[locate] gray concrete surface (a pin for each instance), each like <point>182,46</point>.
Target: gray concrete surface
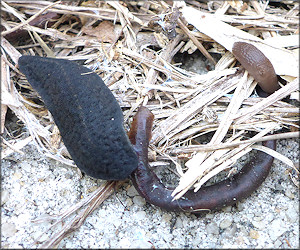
<point>33,186</point>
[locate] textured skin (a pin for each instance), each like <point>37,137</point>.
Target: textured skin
<point>213,197</point>
<point>257,64</point>
<point>87,114</point>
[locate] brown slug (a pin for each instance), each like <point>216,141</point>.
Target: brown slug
<point>257,64</point>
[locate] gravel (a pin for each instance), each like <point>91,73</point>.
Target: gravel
<point>34,186</point>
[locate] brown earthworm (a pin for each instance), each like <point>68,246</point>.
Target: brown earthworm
<point>213,197</point>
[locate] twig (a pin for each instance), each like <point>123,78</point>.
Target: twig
<point>196,42</point>
<point>28,20</point>
<point>78,220</point>
<point>195,148</point>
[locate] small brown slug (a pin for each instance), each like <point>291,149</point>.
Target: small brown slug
<point>257,64</point>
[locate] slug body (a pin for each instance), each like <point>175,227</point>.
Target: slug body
<point>257,64</point>
<point>212,197</point>
<point>87,114</point>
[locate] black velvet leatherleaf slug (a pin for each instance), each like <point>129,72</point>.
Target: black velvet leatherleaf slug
<point>213,197</point>
<point>87,114</point>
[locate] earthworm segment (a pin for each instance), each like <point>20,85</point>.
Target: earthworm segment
<point>213,197</point>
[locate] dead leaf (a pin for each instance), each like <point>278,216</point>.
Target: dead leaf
<point>105,31</point>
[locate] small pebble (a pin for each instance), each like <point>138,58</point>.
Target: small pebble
<point>26,166</point>
<point>140,215</point>
<point>227,209</point>
<point>92,189</point>
<point>277,228</point>
<point>225,223</point>
<point>4,197</point>
<point>132,191</point>
<point>178,223</point>
<point>230,231</point>
<point>254,234</point>
<point>292,214</point>
<point>139,201</point>
<point>209,216</point>
<point>258,218</point>
<point>239,240</point>
<point>128,202</point>
<point>17,175</point>
<point>259,224</point>
<point>8,229</point>
<point>212,228</point>
<point>167,218</point>
<point>240,206</point>
<point>289,194</point>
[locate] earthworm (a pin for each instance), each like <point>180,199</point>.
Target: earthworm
<point>257,64</point>
<point>214,197</point>
<point>87,114</point>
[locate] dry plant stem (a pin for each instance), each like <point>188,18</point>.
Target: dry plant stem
<point>191,108</point>
<point>196,171</point>
<point>91,12</point>
<point>14,148</point>
<point>165,55</point>
<point>245,115</point>
<point>28,20</point>
<point>196,42</point>
<point>195,148</point>
<point>277,155</point>
<point>76,222</point>
<point>10,50</point>
<point>236,101</point>
<point>141,59</point>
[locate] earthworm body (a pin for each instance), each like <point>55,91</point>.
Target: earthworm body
<point>91,125</point>
<point>213,197</point>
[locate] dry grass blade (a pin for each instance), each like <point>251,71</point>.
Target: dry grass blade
<point>195,148</point>
<point>93,202</point>
<point>276,96</point>
<point>23,21</point>
<point>276,155</point>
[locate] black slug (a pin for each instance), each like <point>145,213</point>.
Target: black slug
<point>87,114</point>
<point>212,197</point>
<point>257,64</point>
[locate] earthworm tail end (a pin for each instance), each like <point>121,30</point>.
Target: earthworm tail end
<point>213,197</point>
